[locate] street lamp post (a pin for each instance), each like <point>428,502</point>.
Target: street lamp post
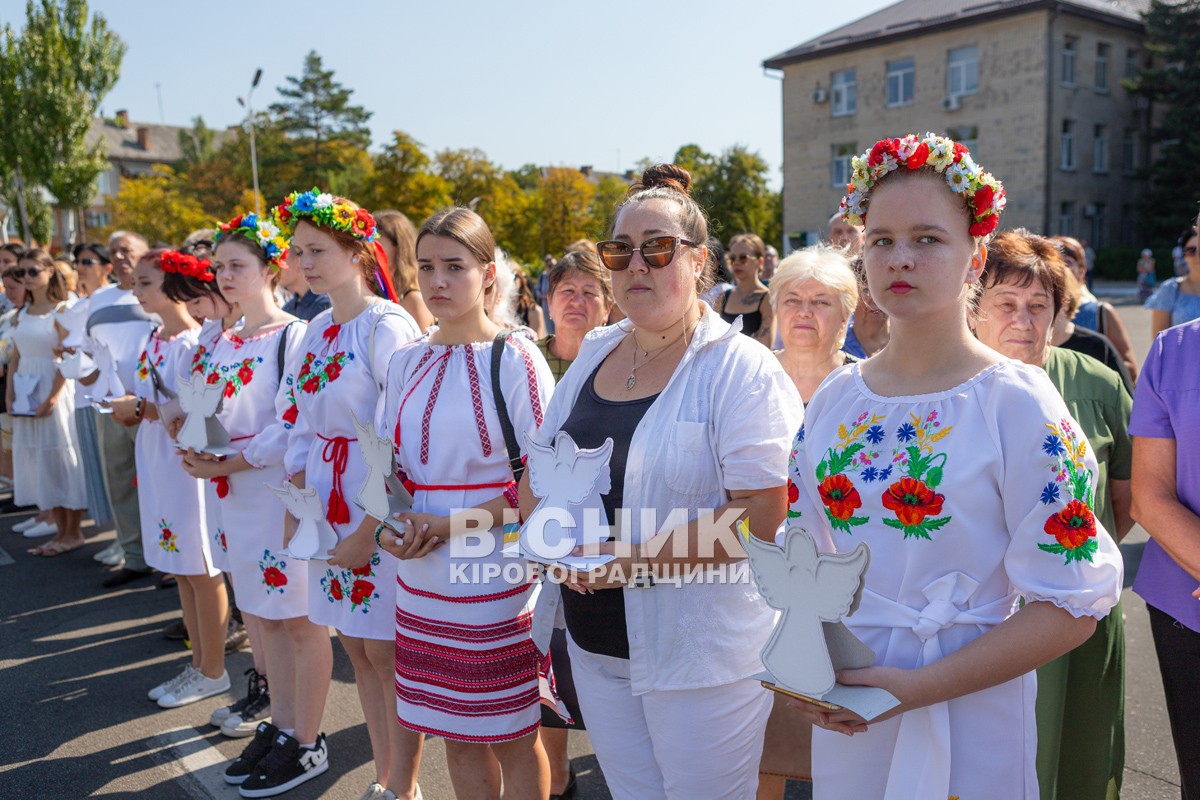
<point>253,152</point>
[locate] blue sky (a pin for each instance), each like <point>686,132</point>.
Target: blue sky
<point>549,83</point>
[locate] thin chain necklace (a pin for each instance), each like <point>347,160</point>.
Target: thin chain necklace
<point>631,381</point>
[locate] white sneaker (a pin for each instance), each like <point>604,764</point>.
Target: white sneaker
<point>41,529</point>
<point>111,551</point>
<point>21,527</point>
<point>166,686</point>
<point>114,559</point>
<point>374,792</point>
<point>196,687</point>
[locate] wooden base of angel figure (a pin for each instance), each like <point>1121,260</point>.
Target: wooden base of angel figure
<point>24,386</point>
<point>381,495</point>
<point>815,591</point>
<point>570,482</point>
<point>107,384</point>
<point>202,431</point>
<point>314,536</point>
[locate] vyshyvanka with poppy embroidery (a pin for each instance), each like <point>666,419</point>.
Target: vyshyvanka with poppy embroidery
<point>171,502</point>
<point>249,536</point>
<point>971,500</point>
<point>339,372</point>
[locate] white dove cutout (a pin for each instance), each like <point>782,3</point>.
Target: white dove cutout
<point>23,388</point>
<point>815,591</point>
<point>569,480</point>
<point>74,366</point>
<point>382,494</point>
<point>314,536</point>
<point>74,321</point>
<point>108,384</point>
<point>201,430</point>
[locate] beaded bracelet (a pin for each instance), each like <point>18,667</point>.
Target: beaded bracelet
<point>378,530</point>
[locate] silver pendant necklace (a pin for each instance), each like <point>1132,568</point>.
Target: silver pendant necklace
<point>631,381</point>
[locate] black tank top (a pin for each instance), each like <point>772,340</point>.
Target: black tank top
<point>751,320</point>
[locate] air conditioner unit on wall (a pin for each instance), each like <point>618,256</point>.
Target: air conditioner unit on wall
<point>952,103</point>
<point>820,95</point>
<point>1089,210</point>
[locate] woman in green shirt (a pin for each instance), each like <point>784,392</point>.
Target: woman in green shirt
<point>1080,702</point>
<point>580,299</point>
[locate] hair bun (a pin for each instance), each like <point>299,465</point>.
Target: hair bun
<point>667,176</point>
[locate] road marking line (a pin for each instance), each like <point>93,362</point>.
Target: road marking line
<point>199,767</point>
<point>5,558</point>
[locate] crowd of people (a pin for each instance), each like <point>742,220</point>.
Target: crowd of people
<point>950,393</point>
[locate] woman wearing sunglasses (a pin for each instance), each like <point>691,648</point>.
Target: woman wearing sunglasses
<point>747,297</point>
<point>700,418</point>
<point>1177,300</point>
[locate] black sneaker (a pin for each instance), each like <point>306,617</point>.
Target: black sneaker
<point>256,751</point>
<point>287,766</point>
<point>257,684</point>
<point>175,631</point>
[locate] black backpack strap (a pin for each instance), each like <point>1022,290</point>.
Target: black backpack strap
<point>281,352</point>
<point>510,436</point>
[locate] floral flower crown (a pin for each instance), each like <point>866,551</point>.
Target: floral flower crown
<point>188,266</point>
<point>984,193</point>
<point>266,233</point>
<point>327,210</point>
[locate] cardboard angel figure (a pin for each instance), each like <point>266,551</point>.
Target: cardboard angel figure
<point>201,430</point>
<point>76,365</point>
<point>73,320</point>
<point>314,536</point>
<point>108,384</point>
<point>815,591</point>
<point>570,481</point>
<point>381,495</point>
<point>24,402</point>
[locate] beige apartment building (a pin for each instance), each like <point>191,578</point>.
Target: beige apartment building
<point>1032,87</point>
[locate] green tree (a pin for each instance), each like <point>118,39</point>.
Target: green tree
<point>158,206</point>
<point>610,191</point>
<point>565,204</point>
<point>52,79</point>
<point>317,113</point>
<point>402,179</point>
<point>732,188</point>
<point>197,144</point>
<point>1173,38</point>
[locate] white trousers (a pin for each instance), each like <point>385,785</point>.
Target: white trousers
<point>671,745</point>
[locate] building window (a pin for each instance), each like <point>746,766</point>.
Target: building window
<point>96,219</point>
<point>1068,61</point>
<point>1100,148</point>
<point>1066,145</point>
<point>840,169</point>
<point>1099,232</point>
<point>844,87</point>
<point>106,185</point>
<point>1066,218</point>
<point>900,78</point>
<point>962,71</point>
<point>1131,62</point>
<point>968,137</point>
<point>1102,51</point>
<point>1129,151</point>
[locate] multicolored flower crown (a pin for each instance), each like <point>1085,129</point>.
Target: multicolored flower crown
<point>984,193</point>
<point>188,266</point>
<point>327,211</point>
<point>266,233</point>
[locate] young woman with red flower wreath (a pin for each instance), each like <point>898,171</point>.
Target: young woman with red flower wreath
<point>341,372</point>
<point>174,534</point>
<point>966,474</point>
<point>250,360</point>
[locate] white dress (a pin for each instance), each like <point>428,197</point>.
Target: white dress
<point>266,583</point>
<point>970,499</point>
<point>332,381</point>
<point>466,667</point>
<point>49,467</point>
<point>197,364</point>
<point>174,536</point>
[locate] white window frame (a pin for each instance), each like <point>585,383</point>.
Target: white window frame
<point>839,165</point>
<point>1100,148</point>
<point>843,92</point>
<point>901,75</point>
<point>1069,60</point>
<point>1102,57</point>
<point>967,136</point>
<point>962,71</point>
<point>1130,155</point>
<point>1066,218</point>
<point>1133,58</point>
<point>1066,146</point>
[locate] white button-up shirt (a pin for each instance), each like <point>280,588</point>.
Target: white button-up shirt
<point>724,423</point>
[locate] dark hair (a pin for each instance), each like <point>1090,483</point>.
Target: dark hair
<point>717,262</point>
<point>59,288</point>
<point>100,250</point>
<point>1189,233</point>
<point>1070,246</point>
<point>182,288</point>
<point>399,230</point>
<point>1019,257</point>
<point>673,183</point>
<point>14,247</point>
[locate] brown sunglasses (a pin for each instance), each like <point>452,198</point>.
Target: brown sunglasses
<point>657,252</point>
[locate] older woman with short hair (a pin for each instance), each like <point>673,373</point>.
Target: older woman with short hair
<point>579,298</point>
<point>1080,701</point>
<point>813,295</point>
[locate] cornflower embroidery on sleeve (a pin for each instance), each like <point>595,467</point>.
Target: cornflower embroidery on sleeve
<point>1074,525</point>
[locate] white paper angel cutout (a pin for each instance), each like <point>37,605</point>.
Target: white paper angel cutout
<point>381,495</point>
<point>73,320</point>
<point>815,591</point>
<point>570,482</point>
<point>201,430</point>
<point>24,385</point>
<point>314,536</point>
<point>108,384</point>
<point>74,366</point>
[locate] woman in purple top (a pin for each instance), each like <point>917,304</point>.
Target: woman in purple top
<point>1166,501</point>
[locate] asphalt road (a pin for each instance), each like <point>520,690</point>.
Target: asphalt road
<point>76,661</point>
